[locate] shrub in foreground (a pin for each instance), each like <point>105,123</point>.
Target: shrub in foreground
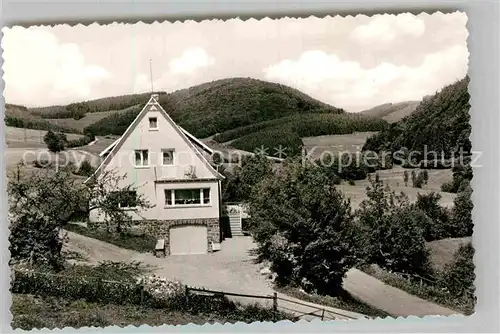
<point>303,226</point>
<point>148,292</point>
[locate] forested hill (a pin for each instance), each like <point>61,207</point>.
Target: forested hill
<point>227,104</point>
<point>247,112</point>
<point>392,112</point>
<point>441,121</point>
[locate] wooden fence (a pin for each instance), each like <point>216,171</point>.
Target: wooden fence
<point>319,312</point>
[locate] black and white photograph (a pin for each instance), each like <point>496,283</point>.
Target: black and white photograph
<point>229,170</point>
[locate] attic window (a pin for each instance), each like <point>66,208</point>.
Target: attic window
<point>153,123</point>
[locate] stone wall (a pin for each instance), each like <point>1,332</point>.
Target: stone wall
<point>160,229</point>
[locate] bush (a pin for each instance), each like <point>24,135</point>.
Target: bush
<point>55,142</point>
<point>80,142</point>
<point>461,174</point>
<point>75,287</point>
<point>393,231</point>
<point>419,180</point>
<point>148,291</point>
<point>458,276</point>
<point>439,226</point>
<point>462,212</point>
<point>346,167</point>
<point>448,187</point>
<point>85,169</point>
<point>238,185</point>
<point>43,163</point>
<point>303,226</point>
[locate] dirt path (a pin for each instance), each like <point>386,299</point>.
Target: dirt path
<point>389,299</point>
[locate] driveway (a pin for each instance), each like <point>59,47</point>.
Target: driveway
<point>232,269</point>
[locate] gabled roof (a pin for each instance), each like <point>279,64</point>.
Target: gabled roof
<point>195,141</point>
<point>189,138</point>
<point>107,149</point>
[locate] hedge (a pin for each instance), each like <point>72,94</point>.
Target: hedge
<point>74,288</point>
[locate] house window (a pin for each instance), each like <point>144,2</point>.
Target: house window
<point>180,197</point>
<point>187,196</point>
<point>167,157</point>
<point>206,196</point>
<point>169,195</point>
<point>125,199</point>
<point>153,123</point>
<point>141,158</point>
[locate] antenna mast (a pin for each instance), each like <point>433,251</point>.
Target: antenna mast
<point>151,73</point>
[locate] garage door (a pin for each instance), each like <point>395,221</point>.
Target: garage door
<point>189,239</point>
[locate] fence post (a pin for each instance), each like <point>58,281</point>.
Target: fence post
<point>323,314</point>
<point>275,302</point>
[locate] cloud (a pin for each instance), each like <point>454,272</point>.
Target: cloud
<point>348,85</point>
<point>191,60</point>
<point>386,28</point>
<point>38,65</point>
<point>61,64</point>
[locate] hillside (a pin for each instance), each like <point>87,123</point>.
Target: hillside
<point>226,104</point>
<point>440,122</point>
<point>20,117</point>
<point>245,111</point>
<point>392,112</point>
<point>250,113</point>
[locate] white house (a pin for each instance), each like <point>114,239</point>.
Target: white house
<point>169,166</point>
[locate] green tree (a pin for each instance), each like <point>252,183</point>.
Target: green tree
<point>425,175</point>
<point>405,178</point>
<point>55,141</point>
<point>42,203</point>
<point>238,185</point>
<point>304,227</point>
<point>393,234</point>
<point>418,180</point>
<point>439,226</point>
<point>462,211</point>
<point>458,277</point>
<point>85,169</point>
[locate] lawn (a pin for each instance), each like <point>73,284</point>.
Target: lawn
<point>140,243</point>
<point>88,119</point>
<point>394,178</point>
<point>29,136</point>
<point>336,143</point>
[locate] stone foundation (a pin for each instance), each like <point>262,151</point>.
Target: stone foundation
<point>160,229</point>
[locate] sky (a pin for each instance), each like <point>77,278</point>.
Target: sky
<point>352,62</point>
